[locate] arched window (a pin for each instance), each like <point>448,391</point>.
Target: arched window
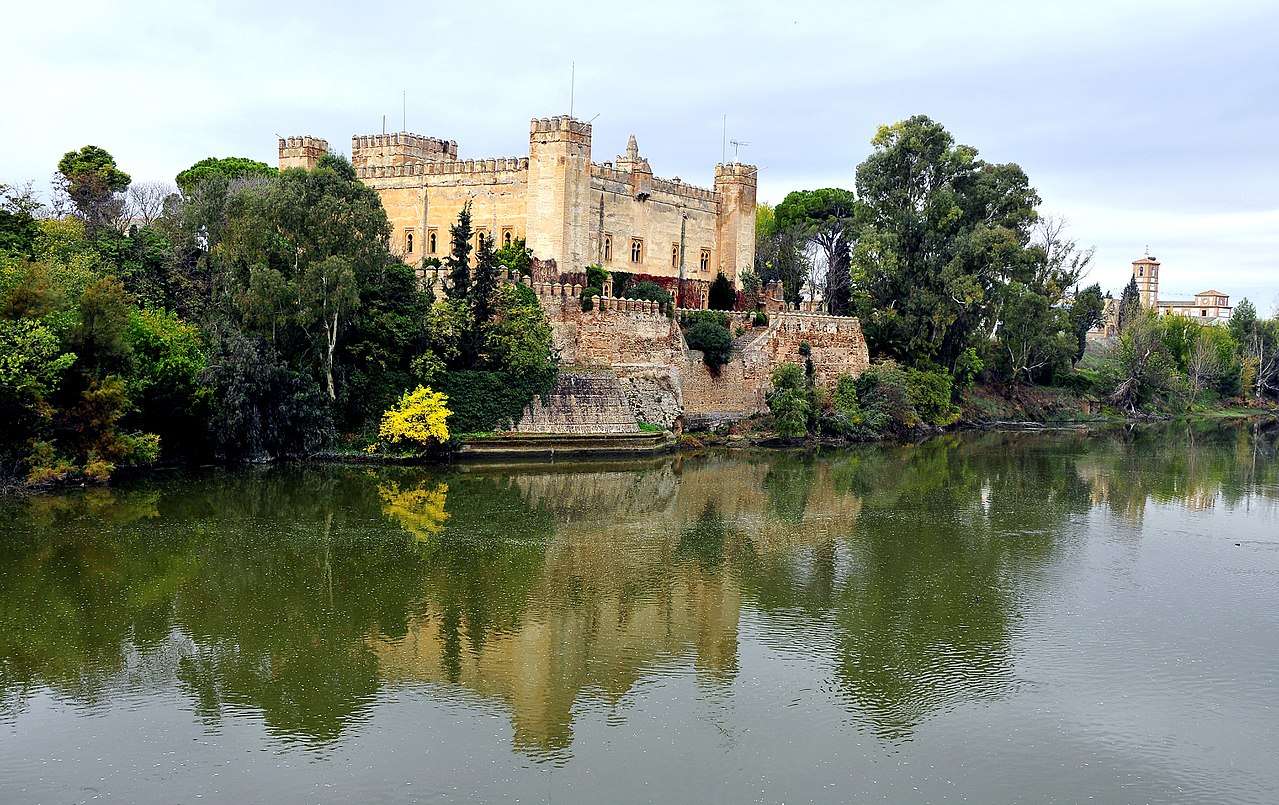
<point>637,250</point>
<point>706,260</point>
<point>430,242</point>
<point>506,238</point>
<point>1141,272</point>
<point>608,248</point>
<point>408,241</point>
<point>674,255</point>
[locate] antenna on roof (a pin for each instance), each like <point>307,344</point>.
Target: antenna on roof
<point>404,110</point>
<point>572,86</point>
<point>737,144</point>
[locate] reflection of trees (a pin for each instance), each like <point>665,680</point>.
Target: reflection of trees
<point>300,592</point>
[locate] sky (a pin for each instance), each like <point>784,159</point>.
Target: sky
<point>1143,124</point>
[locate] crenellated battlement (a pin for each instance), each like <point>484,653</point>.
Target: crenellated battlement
<point>301,152</point>
<point>466,166</point>
<point>562,124</point>
<point>736,173</point>
<point>400,148</point>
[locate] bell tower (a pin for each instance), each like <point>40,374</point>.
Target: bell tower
<point>1146,272</point>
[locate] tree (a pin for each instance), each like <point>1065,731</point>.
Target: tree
<point>650,291</point>
<point>485,280</point>
<point>516,257</point>
<point>709,334</point>
<point>458,262</point>
<point>1087,310</point>
<point>825,218</point>
<point>722,295</point>
<point>222,170</point>
<point>94,184</point>
<point>328,293</point>
<point>1034,338</point>
<point>1140,371</point>
<point>940,232</point>
<point>420,417</point>
<point>788,400</point>
<point>18,226</point>
<point>1129,304</point>
<point>145,202</point>
<point>99,335</point>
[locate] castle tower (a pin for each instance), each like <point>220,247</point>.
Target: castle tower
<point>1146,272</point>
<point>735,184</point>
<point>302,152</point>
<point>399,148</point>
<point>559,198</point>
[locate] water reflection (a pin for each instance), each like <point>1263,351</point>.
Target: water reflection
<point>301,594</point>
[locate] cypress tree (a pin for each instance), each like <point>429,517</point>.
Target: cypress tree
<point>459,260</point>
<point>1129,305</point>
<point>486,277</point>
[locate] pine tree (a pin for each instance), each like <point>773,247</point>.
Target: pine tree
<point>486,277</point>
<point>1129,305</point>
<point>458,262</point>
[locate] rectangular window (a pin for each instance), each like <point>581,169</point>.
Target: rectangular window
<point>408,241</point>
<point>706,260</point>
<point>637,250</point>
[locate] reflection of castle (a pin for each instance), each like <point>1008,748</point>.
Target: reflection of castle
<point>622,589</point>
<point>1210,306</point>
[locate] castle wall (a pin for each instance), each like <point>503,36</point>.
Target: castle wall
<point>656,221</point>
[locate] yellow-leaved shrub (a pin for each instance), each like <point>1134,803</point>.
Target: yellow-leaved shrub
<point>419,417</point>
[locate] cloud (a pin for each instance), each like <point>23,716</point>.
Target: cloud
<point>1142,121</point>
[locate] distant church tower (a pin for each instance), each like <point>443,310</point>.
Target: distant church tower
<point>1146,272</point>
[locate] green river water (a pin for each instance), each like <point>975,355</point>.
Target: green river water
<point>986,618</point>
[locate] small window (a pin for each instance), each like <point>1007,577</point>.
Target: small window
<point>1141,272</point>
<point>706,260</point>
<point>1203,313</point>
<point>408,241</point>
<point>430,242</point>
<point>637,250</point>
<point>506,237</point>
<point>674,255</point>
<point>608,248</point>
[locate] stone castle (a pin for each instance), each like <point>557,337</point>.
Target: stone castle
<point>568,208</point>
<point>624,361</point>
<point>1209,307</point>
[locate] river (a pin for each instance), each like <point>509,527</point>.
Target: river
<point>1007,617</point>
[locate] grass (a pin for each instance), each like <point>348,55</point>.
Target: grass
<point>649,427</point>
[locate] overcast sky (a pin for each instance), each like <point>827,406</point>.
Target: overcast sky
<point>1143,123</point>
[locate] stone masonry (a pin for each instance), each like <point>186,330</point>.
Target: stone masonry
<point>569,209</point>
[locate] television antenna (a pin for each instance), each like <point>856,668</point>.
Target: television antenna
<point>736,145</point>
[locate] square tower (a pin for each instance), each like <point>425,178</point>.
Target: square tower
<point>302,152</point>
<point>559,191</point>
<point>1146,272</point>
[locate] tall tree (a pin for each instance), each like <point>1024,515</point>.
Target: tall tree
<point>940,233</point>
<point>328,293</point>
<point>825,217</point>
<point>1129,305</point>
<point>224,169</point>
<point>486,279</point>
<point>1086,312</point>
<point>458,262</point>
<point>95,185</point>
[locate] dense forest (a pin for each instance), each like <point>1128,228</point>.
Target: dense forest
<point>246,314</point>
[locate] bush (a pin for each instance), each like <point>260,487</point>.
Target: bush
<point>788,401</point>
<point>646,290</point>
<point>761,319</point>
<point>931,393</point>
<point>420,417</point>
<point>714,341</point>
<point>883,393</point>
<point>722,294</point>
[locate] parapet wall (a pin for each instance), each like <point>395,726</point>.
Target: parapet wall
<point>399,148</point>
<point>460,167</point>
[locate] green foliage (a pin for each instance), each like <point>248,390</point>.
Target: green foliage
<point>1140,373</point>
<point>930,394</point>
<point>713,339</point>
<point>165,379</point>
<point>94,184</point>
<point>1129,304</point>
<point>649,291</point>
<point>760,319</point>
<point>517,257</point>
<point>938,231</point>
<point>485,280</point>
<point>789,401</point>
<point>595,277</point>
<point>458,262</point>
<point>1087,310</point>
<point>722,295</point>
<point>483,400</point>
<point>261,407</point>
<point>18,225</point>
<point>221,169</point>
<point>1035,340</point>
<point>826,219</point>
<point>968,368</point>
